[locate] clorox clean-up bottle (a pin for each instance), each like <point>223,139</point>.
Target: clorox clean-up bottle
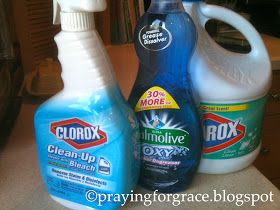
<point>170,129</point>
<point>87,135</point>
<point>232,89</point>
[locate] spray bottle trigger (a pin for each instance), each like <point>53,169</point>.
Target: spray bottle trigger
<point>56,12</point>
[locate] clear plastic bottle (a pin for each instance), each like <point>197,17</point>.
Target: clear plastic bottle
<point>87,135</point>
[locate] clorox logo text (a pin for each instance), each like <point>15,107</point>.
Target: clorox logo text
<point>221,133</point>
<point>78,133</point>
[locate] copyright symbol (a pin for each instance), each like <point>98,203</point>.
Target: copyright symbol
<point>91,196</point>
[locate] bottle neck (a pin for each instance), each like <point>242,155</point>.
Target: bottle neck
<point>77,21</point>
<point>84,60</point>
<point>166,6</point>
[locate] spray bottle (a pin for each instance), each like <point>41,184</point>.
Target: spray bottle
<point>87,135</point>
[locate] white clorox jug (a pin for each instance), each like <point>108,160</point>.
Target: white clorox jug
<point>232,88</point>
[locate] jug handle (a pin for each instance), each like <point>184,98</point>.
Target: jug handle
<point>258,49</point>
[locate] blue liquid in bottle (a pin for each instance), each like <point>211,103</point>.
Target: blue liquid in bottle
<point>162,97</point>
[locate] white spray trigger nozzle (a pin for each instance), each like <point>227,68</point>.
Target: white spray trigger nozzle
<point>76,15</point>
<point>76,6</point>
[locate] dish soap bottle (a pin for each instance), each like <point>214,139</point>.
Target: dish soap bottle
<point>87,135</point>
<point>170,129</point>
<point>232,88</point>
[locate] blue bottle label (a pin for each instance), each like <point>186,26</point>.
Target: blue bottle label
<point>72,159</point>
<point>89,153</point>
<point>166,146</point>
<point>162,142</point>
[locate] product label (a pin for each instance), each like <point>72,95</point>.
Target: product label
<point>78,134</point>
<point>161,141</point>
<point>87,153</point>
<point>232,130</point>
<point>165,140</point>
<point>166,137</point>
<point>156,98</point>
<point>155,37</point>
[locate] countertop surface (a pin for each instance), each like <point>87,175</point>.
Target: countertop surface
<point>21,187</point>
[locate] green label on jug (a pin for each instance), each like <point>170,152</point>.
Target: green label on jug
<point>232,130</point>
